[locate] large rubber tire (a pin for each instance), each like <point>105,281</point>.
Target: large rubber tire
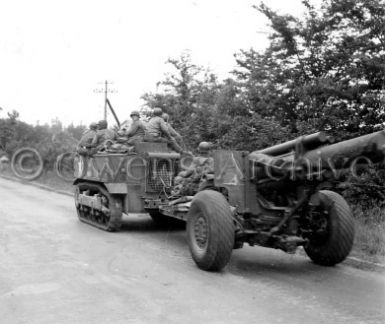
<point>336,245</point>
<point>210,230</point>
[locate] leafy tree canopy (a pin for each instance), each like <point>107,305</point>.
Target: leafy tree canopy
<point>325,71</point>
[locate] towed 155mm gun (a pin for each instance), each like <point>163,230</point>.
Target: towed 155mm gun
<point>278,197</point>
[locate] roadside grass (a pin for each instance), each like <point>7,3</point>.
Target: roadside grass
<point>51,179</point>
<point>370,233</point>
<point>48,178</point>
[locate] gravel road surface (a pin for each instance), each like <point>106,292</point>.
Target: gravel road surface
<point>55,269</point>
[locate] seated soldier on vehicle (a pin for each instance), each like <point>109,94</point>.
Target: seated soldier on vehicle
<point>86,142</point>
<point>135,133</point>
<point>157,131</point>
<point>104,136</point>
<point>198,175</point>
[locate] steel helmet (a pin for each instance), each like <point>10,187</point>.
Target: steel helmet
<point>157,111</point>
<point>135,113</point>
<point>93,126</point>
<point>204,146</point>
<point>166,117</point>
<point>102,124</point>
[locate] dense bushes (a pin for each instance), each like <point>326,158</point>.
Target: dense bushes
<point>49,140</point>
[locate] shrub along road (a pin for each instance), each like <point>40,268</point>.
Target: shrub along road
<point>55,269</point>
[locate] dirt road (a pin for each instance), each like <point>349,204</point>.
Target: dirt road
<point>55,269</point>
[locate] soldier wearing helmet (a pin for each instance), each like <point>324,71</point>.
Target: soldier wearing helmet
<point>157,131</point>
<point>103,135</point>
<point>204,148</point>
<point>204,162</point>
<point>157,127</point>
<point>102,124</point>
<point>93,126</point>
<point>199,175</point>
<point>87,140</point>
<point>136,131</point>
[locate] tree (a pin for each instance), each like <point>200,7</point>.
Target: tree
<point>7,129</point>
<point>186,95</point>
<point>323,72</point>
<point>203,108</point>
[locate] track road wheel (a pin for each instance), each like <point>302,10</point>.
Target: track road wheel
<point>210,230</point>
<point>111,221</point>
<point>333,239</point>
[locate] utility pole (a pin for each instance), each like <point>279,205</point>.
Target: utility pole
<point>106,91</point>
<point>105,99</point>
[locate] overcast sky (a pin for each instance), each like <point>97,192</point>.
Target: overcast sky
<point>54,54</point>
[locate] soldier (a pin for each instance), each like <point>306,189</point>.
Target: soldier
<point>198,176</point>
<point>86,143</point>
<point>204,163</point>
<point>136,131</point>
<point>156,128</point>
<point>104,136</point>
<point>157,131</point>
<point>172,131</point>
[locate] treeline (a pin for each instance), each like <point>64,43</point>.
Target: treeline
<point>50,140</point>
<point>323,71</point>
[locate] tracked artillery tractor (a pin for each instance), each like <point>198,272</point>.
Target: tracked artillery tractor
<point>278,197</point>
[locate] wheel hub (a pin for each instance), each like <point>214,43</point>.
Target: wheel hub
<point>200,232</point>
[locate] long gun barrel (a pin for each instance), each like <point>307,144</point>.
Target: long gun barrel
<point>308,141</point>
<point>371,147</point>
<point>295,156</point>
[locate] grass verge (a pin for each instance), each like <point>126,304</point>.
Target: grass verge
<point>370,233</point>
<point>48,178</point>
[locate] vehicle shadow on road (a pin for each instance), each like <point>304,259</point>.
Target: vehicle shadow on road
<point>170,236</point>
<point>144,223</point>
<point>259,261</point>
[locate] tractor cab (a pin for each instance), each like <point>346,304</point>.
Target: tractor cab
<point>109,184</point>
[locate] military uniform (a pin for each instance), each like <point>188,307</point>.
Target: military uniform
<point>87,139</point>
<point>175,134</point>
<point>172,131</point>
<point>198,176</point>
<point>157,127</point>
<point>135,133</point>
<point>103,138</point>
<point>158,131</point>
